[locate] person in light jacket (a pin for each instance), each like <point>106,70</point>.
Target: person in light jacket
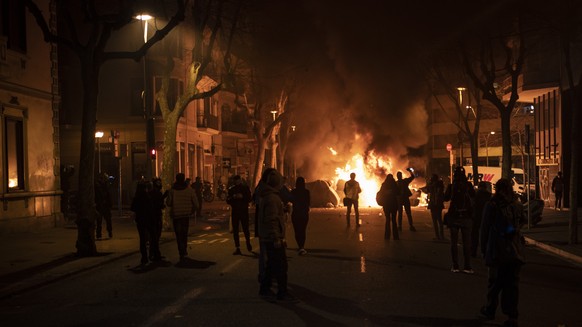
<point>182,203</point>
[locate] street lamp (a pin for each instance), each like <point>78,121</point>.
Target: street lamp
<point>149,124</point>
<point>98,136</point>
<point>274,112</point>
<point>487,147</point>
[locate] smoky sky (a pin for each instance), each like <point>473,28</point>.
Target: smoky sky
<point>361,88</point>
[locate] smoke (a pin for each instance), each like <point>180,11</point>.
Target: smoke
<point>360,90</point>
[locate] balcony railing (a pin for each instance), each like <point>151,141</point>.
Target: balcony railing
<point>207,121</point>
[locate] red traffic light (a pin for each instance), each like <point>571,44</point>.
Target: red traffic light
<point>153,153</point>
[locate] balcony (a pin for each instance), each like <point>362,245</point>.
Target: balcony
<point>207,123</point>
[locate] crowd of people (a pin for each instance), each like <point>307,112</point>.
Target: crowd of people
<point>486,223</point>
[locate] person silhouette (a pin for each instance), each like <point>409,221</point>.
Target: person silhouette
<point>352,190</point>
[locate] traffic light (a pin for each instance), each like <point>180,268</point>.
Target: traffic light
<point>153,153</point>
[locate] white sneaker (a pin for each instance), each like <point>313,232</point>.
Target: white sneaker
<point>302,252</point>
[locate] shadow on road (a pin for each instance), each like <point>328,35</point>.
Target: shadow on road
<point>188,263</point>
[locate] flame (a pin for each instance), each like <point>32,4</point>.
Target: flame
<point>369,173</point>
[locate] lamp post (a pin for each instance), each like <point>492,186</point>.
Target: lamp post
<point>487,147</point>
<point>98,136</point>
<point>274,112</point>
<point>147,115</point>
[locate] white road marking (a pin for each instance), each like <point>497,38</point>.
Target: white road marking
<point>361,237</point>
<point>362,264</point>
<point>173,308</point>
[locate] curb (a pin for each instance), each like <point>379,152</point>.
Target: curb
<point>554,250</point>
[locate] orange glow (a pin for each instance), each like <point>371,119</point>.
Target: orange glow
<point>366,174</point>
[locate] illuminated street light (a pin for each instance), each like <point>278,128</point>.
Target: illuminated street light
<point>487,147</point>
<point>98,136</point>
<point>461,89</point>
<point>274,112</point>
<point>149,140</point>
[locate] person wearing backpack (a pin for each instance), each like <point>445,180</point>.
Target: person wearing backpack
<point>502,247</point>
<point>387,197</point>
<point>558,189</point>
<point>459,217</point>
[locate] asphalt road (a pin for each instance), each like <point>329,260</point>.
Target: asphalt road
<point>350,277</point>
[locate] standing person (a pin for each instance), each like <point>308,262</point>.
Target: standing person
<point>436,199</point>
<point>352,190</point>
<point>502,248</point>
<point>272,237</point>
<point>103,205</point>
<point>460,217</point>
<point>482,196</point>
<point>301,200</point>
<point>157,198</point>
<point>239,196</point>
<point>197,186</point>
<point>183,204</point>
<point>558,189</point>
<point>389,193</point>
<point>404,198</point>
<point>142,207</point>
<point>256,201</point>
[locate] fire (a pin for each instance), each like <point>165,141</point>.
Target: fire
<point>368,174</point>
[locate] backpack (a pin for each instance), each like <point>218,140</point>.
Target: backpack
<point>380,197</point>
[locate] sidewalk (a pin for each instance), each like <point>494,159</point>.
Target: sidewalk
<point>29,260</point>
<point>552,235</point>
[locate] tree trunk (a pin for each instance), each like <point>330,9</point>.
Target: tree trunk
<point>261,145</point>
<point>170,131</point>
<point>86,214</point>
<point>506,141</point>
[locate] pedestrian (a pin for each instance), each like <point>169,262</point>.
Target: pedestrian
<point>183,204</point>
<point>301,200</point>
<point>389,193</point>
<point>142,208</point>
<point>272,237</point>
<point>239,196</point>
<point>558,189</point>
<point>158,205</point>
<point>103,205</point>
<point>502,247</point>
<point>459,217</point>
<point>436,198</point>
<point>482,196</point>
<point>256,201</point>
<point>352,192</point>
<point>403,184</point>
<point>197,186</point>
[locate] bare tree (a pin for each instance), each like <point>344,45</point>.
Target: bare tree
<point>487,74</point>
<point>89,31</point>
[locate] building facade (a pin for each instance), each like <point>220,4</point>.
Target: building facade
<point>29,111</point>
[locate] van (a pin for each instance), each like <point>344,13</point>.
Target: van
<point>493,174</point>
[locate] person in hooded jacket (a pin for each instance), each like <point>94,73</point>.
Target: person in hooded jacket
<point>239,196</point>
<point>460,213</point>
<point>183,204</point>
<point>142,208</point>
<point>272,237</point>
<point>301,200</point>
<point>390,193</point>
<point>502,247</point>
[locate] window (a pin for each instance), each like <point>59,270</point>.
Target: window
<point>13,24</point>
<point>14,147</point>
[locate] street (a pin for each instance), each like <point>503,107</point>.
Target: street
<point>350,277</point>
